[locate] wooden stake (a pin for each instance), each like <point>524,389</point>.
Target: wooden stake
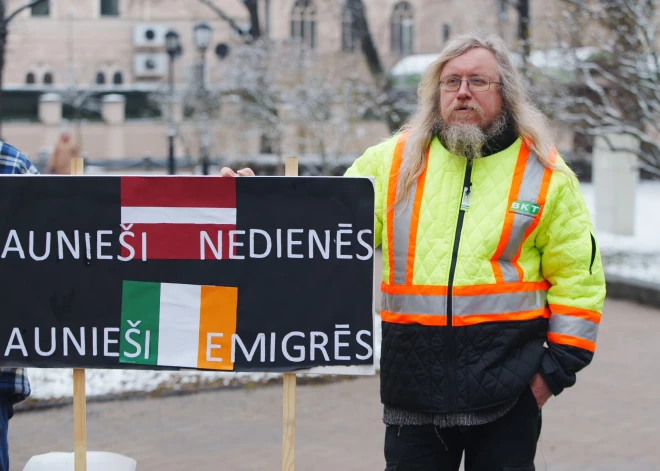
<point>289,392</point>
<point>77,166</point>
<point>289,424</point>
<point>79,420</point>
<point>79,398</point>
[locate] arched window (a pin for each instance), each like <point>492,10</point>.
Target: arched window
<point>303,22</point>
<point>117,78</point>
<point>403,32</point>
<point>48,78</point>
<point>100,78</point>
<point>30,78</point>
<point>349,36</point>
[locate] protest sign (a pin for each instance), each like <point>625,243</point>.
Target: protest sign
<point>250,274</point>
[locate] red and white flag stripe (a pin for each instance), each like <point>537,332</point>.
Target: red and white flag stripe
<point>174,211</point>
<point>156,215</point>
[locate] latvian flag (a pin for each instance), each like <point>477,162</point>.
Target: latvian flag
<point>178,325</point>
<point>174,212</point>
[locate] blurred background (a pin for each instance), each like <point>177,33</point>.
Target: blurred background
<point>166,85</point>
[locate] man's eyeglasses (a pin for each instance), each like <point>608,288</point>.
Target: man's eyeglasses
<point>475,84</point>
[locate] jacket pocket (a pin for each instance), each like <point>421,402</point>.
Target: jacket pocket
<point>593,252</point>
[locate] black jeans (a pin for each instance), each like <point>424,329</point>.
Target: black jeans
<point>507,444</point>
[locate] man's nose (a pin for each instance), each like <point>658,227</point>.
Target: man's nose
<point>463,91</point>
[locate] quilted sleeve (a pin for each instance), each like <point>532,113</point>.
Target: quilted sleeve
<point>570,261</point>
<point>370,164</point>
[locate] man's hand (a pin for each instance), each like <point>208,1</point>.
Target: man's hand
<point>227,172</point>
<point>540,389</point>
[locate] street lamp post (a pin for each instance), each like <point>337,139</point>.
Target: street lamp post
<point>173,47</point>
<point>202,37</point>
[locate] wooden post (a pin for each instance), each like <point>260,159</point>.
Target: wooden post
<point>289,392</point>
<point>79,420</point>
<point>79,398</point>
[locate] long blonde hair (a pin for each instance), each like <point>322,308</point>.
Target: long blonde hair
<point>528,120</point>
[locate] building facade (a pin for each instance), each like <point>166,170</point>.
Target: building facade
<point>64,57</point>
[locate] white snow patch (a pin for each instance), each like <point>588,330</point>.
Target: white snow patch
<point>49,383</point>
<point>637,256</point>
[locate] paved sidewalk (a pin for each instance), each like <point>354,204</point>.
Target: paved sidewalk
<point>609,422</point>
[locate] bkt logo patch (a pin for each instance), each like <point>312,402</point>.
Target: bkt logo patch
<point>525,208</point>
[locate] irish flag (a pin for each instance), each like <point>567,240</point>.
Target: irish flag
<point>168,324</point>
<point>173,212</point>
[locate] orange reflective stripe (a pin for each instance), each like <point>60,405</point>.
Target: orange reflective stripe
<point>462,321</point>
<point>585,314</point>
<point>391,198</point>
<point>421,319</point>
<point>414,223</point>
<point>477,290</point>
<point>508,317</point>
<point>428,290</point>
<point>543,195</point>
<point>518,175</point>
<point>562,339</point>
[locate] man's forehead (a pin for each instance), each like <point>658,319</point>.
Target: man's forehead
<point>475,61</point>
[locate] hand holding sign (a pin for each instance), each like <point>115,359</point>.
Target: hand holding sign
<point>227,172</point>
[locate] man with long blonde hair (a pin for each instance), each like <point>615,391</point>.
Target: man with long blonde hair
<point>492,284</point>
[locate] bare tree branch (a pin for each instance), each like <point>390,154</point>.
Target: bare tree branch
<point>218,11</point>
<point>617,89</point>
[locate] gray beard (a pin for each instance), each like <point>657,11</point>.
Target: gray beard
<point>467,140</point>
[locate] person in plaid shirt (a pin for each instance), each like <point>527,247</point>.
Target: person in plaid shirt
<point>14,384</point>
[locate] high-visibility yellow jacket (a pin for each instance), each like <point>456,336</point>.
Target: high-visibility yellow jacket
<point>491,274</point>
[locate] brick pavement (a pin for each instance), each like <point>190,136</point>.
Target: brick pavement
<point>609,422</point>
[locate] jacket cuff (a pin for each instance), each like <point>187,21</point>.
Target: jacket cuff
<point>554,375</point>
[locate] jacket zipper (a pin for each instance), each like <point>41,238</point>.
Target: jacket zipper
<point>450,360</point>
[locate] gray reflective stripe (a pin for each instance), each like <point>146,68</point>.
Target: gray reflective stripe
<point>529,192</point>
<point>414,304</point>
<point>402,219</point>
<point>573,326</point>
<point>532,179</point>
<point>502,303</point>
<point>509,273</point>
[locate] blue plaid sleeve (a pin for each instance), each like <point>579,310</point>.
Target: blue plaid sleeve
<point>12,161</point>
<point>14,383</point>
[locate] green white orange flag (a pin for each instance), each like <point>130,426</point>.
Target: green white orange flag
<point>178,325</point>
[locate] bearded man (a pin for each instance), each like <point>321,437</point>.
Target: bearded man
<point>492,284</point>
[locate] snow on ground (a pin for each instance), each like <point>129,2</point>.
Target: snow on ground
<point>635,256</point>
<point>50,383</point>
<point>638,256</point>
